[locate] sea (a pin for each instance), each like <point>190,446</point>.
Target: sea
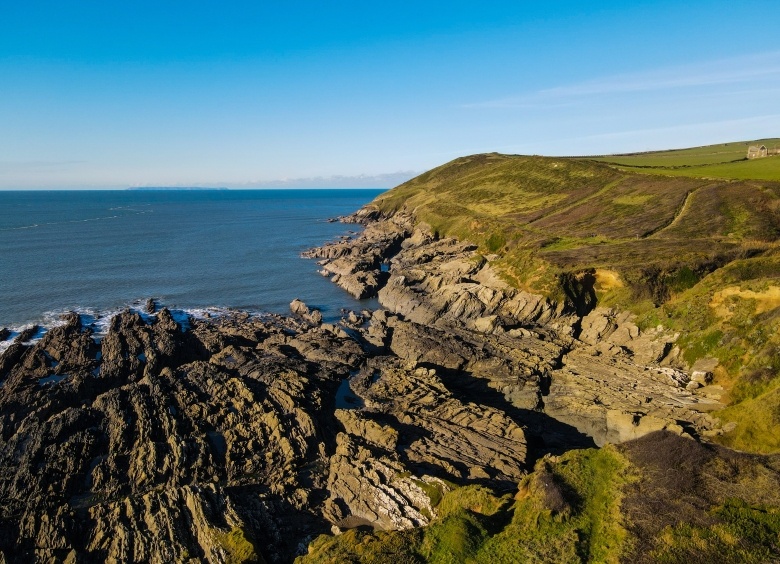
<point>197,252</point>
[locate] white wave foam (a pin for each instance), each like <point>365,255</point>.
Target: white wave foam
<point>100,321</point>
<point>7,343</point>
<point>44,324</point>
<point>101,218</point>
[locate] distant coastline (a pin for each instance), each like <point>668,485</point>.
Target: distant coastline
<point>147,188</point>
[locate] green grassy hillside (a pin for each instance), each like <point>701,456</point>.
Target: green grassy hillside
<point>699,255</point>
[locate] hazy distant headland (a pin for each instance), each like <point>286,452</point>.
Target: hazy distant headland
<point>146,188</point>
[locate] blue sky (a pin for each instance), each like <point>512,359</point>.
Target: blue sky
<point>113,94</point>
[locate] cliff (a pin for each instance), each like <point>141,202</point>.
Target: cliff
<point>459,422</point>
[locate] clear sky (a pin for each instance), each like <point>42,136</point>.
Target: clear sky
<point>174,92</point>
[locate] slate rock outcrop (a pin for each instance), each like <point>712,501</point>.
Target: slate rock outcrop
<point>222,440</point>
<point>595,371</point>
<point>243,437</point>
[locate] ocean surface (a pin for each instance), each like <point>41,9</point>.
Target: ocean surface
<point>98,252</point>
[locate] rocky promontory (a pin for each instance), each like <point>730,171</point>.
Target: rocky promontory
<point>232,439</point>
<point>243,438</point>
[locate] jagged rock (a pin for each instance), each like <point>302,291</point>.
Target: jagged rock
<point>26,334</point>
<point>440,431</point>
<point>367,487</point>
<point>423,345</point>
<point>486,324</point>
<point>411,416</point>
<point>353,320</point>
<point>168,449</point>
<point>441,290</point>
<point>597,325</point>
<point>431,281</point>
<point>165,425</point>
<point>618,400</point>
<point>359,284</point>
<point>355,265</point>
<point>313,316</point>
<point>167,442</point>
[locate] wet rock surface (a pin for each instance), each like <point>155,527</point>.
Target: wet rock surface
<point>240,436</point>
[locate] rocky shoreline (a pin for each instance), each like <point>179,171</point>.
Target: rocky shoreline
<point>594,370</point>
<point>246,437</point>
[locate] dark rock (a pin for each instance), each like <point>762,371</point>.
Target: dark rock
<point>151,306</point>
<point>71,319</point>
<point>313,316</point>
<point>27,334</point>
<point>228,425</point>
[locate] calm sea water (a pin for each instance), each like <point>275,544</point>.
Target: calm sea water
<point>100,251</point>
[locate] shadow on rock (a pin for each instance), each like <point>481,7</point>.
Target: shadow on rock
<point>545,434</point>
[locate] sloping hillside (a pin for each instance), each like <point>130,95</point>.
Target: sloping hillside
<point>697,255</point>
<point>661,498</point>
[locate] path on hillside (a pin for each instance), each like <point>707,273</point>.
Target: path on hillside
<point>597,193</point>
<point>676,219</point>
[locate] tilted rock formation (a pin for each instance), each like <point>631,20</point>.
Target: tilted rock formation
<point>223,441</point>
<point>356,265</point>
<point>596,372</point>
<point>160,444</point>
<point>243,437</point>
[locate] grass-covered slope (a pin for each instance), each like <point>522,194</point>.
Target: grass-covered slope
<point>662,498</point>
<point>568,510</point>
<point>698,255</point>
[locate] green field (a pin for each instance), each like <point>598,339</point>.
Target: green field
<point>728,161</point>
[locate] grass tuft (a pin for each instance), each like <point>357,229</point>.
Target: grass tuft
<point>238,547</point>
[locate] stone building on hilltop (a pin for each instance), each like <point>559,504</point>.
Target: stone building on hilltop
<point>758,151</point>
<point>755,152</point>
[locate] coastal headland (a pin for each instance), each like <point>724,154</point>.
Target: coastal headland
<point>559,372</point>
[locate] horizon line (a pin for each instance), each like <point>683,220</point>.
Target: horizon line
<point>190,188</point>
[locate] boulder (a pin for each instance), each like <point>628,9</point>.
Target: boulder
<point>313,316</point>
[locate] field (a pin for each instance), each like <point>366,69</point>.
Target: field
<point>725,161</point>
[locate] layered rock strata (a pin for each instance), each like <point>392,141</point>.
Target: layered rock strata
<point>597,372</point>
<point>223,441</point>
<point>240,438</point>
